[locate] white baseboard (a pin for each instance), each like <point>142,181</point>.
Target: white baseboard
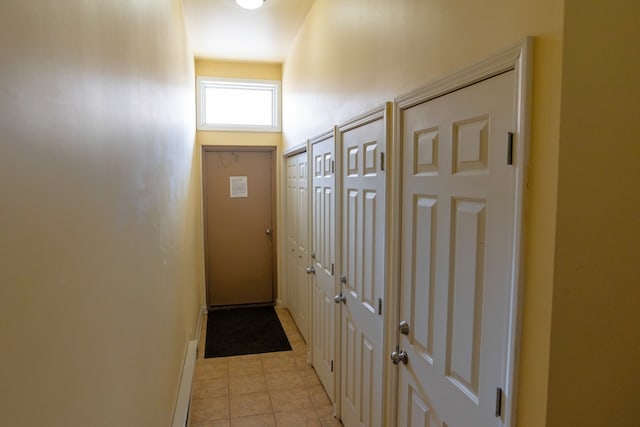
<point>203,311</point>
<point>184,394</point>
<point>180,416</point>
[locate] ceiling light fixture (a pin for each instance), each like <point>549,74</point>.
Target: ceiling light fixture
<point>250,4</point>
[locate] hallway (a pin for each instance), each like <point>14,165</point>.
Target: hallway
<point>270,389</point>
<point>102,273</point>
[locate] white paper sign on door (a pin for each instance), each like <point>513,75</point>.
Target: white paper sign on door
<point>238,187</point>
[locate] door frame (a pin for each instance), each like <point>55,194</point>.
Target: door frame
<point>274,206</point>
<point>519,59</point>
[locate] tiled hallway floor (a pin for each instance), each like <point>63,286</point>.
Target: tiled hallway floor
<point>270,389</point>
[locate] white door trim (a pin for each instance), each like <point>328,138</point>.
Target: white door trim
<point>518,58</point>
<point>296,149</point>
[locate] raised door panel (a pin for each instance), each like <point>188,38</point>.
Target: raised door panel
<point>465,288</point>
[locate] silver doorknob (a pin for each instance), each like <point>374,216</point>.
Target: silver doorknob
<point>267,232</point>
<point>343,278</point>
<point>404,327</point>
<point>340,298</point>
<point>399,356</point>
<point>311,270</point>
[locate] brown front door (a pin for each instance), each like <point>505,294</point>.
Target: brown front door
<point>238,188</point>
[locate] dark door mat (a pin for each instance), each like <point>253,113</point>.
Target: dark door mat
<point>245,330</point>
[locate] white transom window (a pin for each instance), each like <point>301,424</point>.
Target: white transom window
<point>238,105</point>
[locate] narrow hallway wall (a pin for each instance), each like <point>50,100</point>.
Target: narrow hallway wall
<point>351,56</point>
<point>99,218</point>
<point>595,334</point>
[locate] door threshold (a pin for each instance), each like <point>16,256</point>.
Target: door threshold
<point>230,306</point>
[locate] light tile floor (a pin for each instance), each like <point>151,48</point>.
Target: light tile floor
<point>270,389</point>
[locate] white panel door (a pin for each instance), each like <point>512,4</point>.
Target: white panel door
<point>458,204</point>
<point>302,312</point>
<point>298,282</point>
<point>362,144</point>
<point>292,233</point>
<point>324,248</point>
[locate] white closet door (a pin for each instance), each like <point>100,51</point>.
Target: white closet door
<point>458,204</point>
<point>292,233</point>
<point>298,282</point>
<point>362,143</point>
<point>324,249</point>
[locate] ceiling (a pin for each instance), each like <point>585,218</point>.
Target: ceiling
<point>220,29</point>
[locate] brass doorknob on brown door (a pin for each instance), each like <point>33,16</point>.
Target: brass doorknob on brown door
<point>267,232</point>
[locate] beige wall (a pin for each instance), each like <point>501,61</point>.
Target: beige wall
<point>98,236</point>
<point>595,334</point>
<point>239,70</point>
<point>353,55</point>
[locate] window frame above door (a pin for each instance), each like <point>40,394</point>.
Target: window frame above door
<point>273,87</point>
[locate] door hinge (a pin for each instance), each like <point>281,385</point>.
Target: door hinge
<point>498,402</point>
<point>332,269</point>
<point>381,161</point>
<point>333,166</point>
<point>509,148</point>
<point>380,306</point>
<point>332,366</point>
